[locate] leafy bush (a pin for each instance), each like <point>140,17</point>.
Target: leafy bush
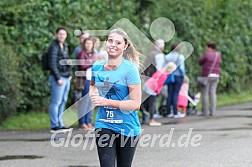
<point>10,81</point>
<point>28,29</point>
<point>227,23</point>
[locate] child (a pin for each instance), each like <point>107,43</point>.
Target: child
<point>182,98</point>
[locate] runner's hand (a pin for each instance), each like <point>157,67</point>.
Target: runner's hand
<point>97,100</point>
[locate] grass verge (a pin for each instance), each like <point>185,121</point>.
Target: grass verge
<point>234,98</point>
<point>27,121</point>
<point>39,120</point>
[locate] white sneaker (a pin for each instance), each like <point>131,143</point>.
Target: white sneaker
<point>155,123</point>
<point>182,114</point>
<point>157,116</point>
<point>179,115</point>
<point>170,115</point>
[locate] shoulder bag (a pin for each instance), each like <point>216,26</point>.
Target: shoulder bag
<point>204,80</point>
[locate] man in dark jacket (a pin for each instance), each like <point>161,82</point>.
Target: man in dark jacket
<point>59,78</point>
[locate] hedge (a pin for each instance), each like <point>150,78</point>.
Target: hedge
<point>27,28</point>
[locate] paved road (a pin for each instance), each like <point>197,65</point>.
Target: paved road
<point>221,141</point>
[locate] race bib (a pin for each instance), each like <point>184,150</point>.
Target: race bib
<point>111,115</point>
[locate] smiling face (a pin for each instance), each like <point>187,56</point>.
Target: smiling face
<point>115,45</point>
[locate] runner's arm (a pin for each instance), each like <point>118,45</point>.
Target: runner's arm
<point>132,104</point>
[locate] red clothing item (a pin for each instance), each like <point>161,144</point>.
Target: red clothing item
<point>183,93</point>
<point>207,61</point>
<point>88,60</point>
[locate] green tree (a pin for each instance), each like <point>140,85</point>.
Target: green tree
<point>226,22</point>
<point>10,80</point>
<point>28,29</point>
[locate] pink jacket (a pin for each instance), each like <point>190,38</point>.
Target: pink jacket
<point>183,93</point>
<point>157,80</point>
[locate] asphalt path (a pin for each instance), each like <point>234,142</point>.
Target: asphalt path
<point>224,140</point>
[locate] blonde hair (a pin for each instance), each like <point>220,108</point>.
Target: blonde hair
<point>130,53</point>
<point>170,67</point>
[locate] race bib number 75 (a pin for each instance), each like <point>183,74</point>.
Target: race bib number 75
<point>111,115</point>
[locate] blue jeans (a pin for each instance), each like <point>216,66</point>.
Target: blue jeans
<point>85,106</point>
<point>58,100</point>
<point>173,91</point>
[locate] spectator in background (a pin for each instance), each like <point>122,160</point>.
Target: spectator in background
<point>153,61</point>
<point>160,57</point>
<point>102,56</point>
<point>59,79</point>
<point>99,52</point>
<point>84,35</point>
<point>210,63</point>
<point>96,42</point>
<point>174,88</point>
<point>160,63</point>
<point>85,106</point>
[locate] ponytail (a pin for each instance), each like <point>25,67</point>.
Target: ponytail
<point>132,54</point>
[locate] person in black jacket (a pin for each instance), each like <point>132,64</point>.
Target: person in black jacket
<point>60,76</point>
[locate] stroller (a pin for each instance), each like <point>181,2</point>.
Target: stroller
<point>193,100</point>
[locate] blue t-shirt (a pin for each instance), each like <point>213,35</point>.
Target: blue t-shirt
<point>113,84</point>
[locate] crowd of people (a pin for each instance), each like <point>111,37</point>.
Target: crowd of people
<point>173,86</point>
<point>111,81</point>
